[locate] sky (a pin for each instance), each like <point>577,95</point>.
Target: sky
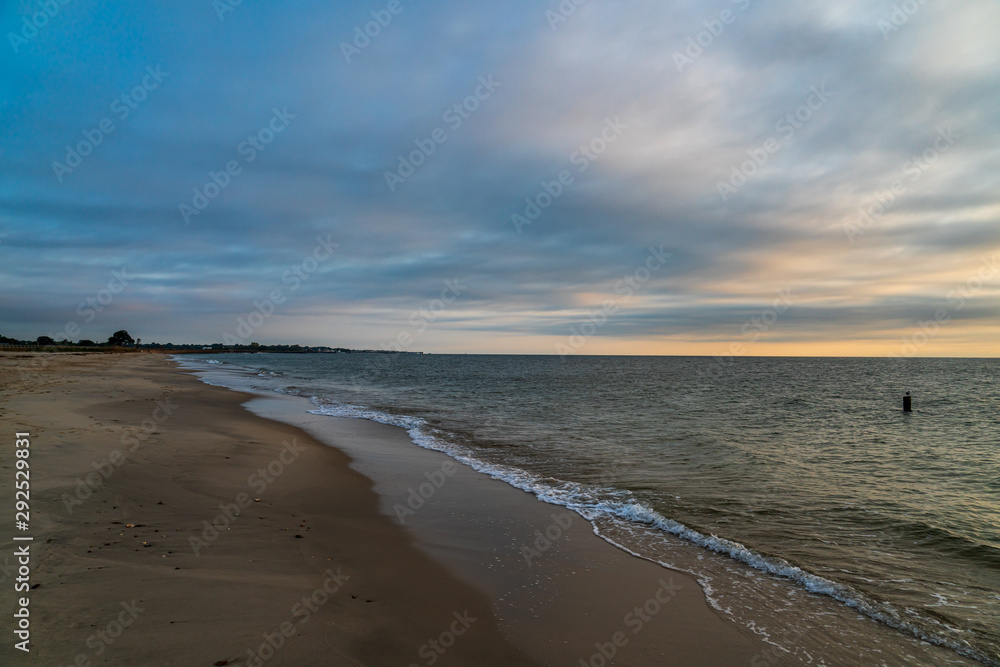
<point>740,177</point>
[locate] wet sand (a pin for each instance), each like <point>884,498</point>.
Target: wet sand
<point>203,530</point>
<point>371,597</point>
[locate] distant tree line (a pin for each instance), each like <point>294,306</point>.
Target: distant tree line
<point>122,339</point>
<point>119,338</point>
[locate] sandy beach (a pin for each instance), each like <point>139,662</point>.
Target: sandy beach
<point>172,526</point>
<point>574,334</point>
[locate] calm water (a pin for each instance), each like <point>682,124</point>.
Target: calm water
<point>796,490</point>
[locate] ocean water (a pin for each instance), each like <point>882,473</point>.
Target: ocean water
<point>812,510</point>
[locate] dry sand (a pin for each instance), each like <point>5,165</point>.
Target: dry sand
<point>309,553</point>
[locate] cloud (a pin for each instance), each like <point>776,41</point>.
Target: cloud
<point>889,97</point>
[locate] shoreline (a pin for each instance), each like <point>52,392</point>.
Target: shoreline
<point>794,623</point>
<point>312,573</point>
<point>326,508</point>
<point>561,593</point>
<point>190,453</point>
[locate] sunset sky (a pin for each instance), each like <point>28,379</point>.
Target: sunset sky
<point>742,177</point>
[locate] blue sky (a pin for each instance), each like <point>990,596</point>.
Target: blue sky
<point>814,178</point>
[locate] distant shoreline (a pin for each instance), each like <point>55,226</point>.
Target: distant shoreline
<point>279,349</point>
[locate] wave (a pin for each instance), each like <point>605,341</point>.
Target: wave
<point>594,503</point>
<point>256,370</point>
<point>599,505</point>
<point>946,541</point>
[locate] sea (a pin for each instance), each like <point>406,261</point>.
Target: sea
<point>806,502</point>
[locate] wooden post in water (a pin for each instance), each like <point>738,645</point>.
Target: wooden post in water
<point>906,403</point>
